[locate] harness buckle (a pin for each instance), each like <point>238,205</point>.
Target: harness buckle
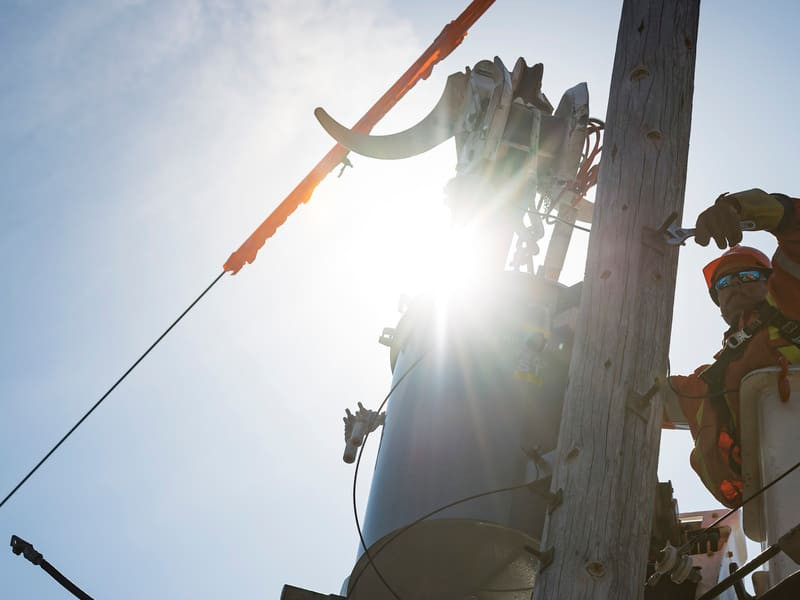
<point>737,339</point>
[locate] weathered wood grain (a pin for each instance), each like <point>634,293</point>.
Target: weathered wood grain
<point>607,458</point>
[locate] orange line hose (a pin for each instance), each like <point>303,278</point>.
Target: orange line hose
<point>450,37</point>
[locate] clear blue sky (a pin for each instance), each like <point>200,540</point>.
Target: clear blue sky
<point>141,142</point>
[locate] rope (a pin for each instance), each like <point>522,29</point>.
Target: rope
<point>111,389</point>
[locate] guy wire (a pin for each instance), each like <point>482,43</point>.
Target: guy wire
<point>111,389</point>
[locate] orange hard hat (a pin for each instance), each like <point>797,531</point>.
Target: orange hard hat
<point>737,257</point>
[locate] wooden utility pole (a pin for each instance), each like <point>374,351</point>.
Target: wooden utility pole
<point>610,431</point>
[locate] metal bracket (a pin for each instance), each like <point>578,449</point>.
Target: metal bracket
<point>388,336</point>
<point>545,558</point>
<point>639,404</point>
<point>541,487</point>
<point>542,464</point>
<point>656,238</point>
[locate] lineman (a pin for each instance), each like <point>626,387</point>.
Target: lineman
<point>760,301</point>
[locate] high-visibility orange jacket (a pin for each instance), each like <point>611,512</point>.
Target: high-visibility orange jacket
<point>714,422</point>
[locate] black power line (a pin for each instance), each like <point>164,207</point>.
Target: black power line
<point>111,389</point>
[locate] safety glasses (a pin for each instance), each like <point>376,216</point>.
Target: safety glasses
<point>747,276</point>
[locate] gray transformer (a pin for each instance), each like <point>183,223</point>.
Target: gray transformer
<point>479,412</point>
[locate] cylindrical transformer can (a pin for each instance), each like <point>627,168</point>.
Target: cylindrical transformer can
<point>470,417</point>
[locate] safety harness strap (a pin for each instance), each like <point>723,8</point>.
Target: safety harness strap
<point>789,328</point>
<point>736,343</point>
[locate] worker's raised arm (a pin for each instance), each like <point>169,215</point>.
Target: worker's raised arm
<point>777,213</point>
<point>722,221</point>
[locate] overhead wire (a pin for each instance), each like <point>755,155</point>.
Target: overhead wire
<point>108,392</point>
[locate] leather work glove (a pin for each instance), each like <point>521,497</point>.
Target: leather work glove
<point>722,221</point>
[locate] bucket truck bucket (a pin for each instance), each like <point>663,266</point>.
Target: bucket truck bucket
<point>770,430</point>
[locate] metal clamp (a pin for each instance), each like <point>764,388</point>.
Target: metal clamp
<point>639,404</point>
<point>541,487</point>
<point>545,558</point>
<point>654,238</point>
